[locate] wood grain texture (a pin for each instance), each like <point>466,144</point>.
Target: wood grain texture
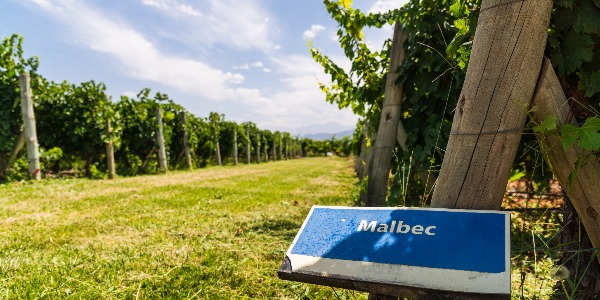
<point>503,70</point>
<point>160,140</point>
<point>584,192</point>
<point>110,153</point>
<point>186,143</point>
<point>31,141</point>
<point>379,167</point>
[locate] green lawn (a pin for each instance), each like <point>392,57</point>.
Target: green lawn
<point>207,234</point>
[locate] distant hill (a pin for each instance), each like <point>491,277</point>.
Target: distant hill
<point>328,128</point>
<point>326,136</point>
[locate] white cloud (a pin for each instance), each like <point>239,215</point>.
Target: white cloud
<point>161,4</point>
<point>248,66</point>
<point>300,96</point>
<point>48,5</point>
<point>292,99</point>
<point>312,32</point>
<point>189,10</point>
<point>234,78</point>
<point>250,29</point>
<point>141,58</point>
<point>242,67</point>
<point>386,5</point>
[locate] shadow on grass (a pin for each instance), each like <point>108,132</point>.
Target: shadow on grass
<point>283,228</point>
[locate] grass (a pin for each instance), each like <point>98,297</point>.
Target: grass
<point>207,234</point>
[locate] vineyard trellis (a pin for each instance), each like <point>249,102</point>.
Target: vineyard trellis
<point>80,128</point>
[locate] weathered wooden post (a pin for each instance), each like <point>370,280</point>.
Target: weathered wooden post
<point>110,152</point>
<point>379,168</point>
<point>505,63</point>
<point>248,144</point>
<point>280,148</point>
<point>218,148</point>
<point>186,142</point>
<point>274,147</point>
<point>33,153</point>
<point>235,147</point>
<point>162,153</point>
<point>287,149</point>
<point>293,149</point>
<point>583,190</point>
<point>266,152</point>
<point>257,148</point>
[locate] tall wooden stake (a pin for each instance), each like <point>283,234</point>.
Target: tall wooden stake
<point>280,148</point>
<point>162,153</point>
<point>110,152</point>
<point>248,145</point>
<point>274,148</point>
<point>257,148</point>
<point>379,168</point>
<point>266,151</point>
<point>186,142</point>
<point>505,63</point>
<point>33,153</point>
<point>235,147</point>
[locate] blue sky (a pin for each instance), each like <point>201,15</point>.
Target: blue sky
<point>247,59</point>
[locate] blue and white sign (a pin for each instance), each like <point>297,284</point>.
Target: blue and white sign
<point>441,249</point>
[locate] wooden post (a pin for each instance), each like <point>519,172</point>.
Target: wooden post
<point>257,148</point>
<point>218,148</point>
<point>266,152</point>
<point>280,148</point>
<point>110,152</point>
<point>33,153</point>
<point>584,192</point>
<point>505,63</point>
<point>361,160</point>
<point>379,168</point>
<point>274,148</point>
<point>235,147</point>
<point>162,153</point>
<point>186,142</point>
<point>248,145</point>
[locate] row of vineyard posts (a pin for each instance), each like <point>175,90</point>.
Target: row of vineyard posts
<point>80,128</point>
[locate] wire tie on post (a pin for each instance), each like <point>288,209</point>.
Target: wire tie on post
<point>514,130</point>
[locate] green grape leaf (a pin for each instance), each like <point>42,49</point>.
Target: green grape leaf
<point>580,16</point>
<point>455,8</point>
<point>574,49</point>
<point>548,124</point>
<point>565,3</point>
<point>586,17</point>
<point>570,134</point>
<point>589,82</point>
<point>589,136</point>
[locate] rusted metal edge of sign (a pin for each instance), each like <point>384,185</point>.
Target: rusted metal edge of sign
<point>407,252</point>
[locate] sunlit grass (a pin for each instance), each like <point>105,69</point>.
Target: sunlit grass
<point>217,233</point>
<point>208,234</point>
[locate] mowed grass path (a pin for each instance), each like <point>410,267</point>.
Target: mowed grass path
<point>217,233</point>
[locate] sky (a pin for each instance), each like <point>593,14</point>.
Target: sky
<point>246,59</point>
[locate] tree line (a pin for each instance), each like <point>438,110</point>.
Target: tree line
<point>148,133</point>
